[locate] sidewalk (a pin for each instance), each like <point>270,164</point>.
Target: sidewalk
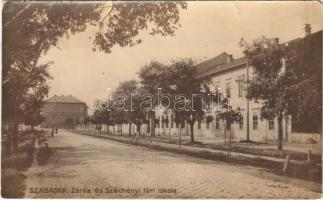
<point>316,149</point>
<point>296,168</point>
<point>295,151</point>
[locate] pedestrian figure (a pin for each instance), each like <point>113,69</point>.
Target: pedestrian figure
<point>56,129</point>
<point>53,131</point>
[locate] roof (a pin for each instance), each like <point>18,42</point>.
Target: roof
<point>63,99</point>
<point>218,64</point>
<point>212,62</point>
<point>314,37</point>
<point>221,62</point>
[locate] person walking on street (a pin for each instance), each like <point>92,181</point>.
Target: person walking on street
<point>52,130</point>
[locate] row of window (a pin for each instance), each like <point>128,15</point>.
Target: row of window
<point>241,87</point>
<point>255,119</point>
<point>271,123</point>
<point>165,123</point>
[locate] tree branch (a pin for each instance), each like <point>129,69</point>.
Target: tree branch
<point>104,18</point>
<point>17,15</point>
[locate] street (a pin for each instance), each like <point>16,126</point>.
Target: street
<point>89,167</point>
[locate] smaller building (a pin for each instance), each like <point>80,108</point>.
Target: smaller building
<point>63,111</point>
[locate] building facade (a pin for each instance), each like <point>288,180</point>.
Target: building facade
<point>228,76</point>
<point>63,111</point>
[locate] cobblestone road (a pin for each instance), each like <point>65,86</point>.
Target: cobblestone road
<point>97,165</point>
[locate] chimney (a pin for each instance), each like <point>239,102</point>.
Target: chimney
<point>229,58</point>
<point>308,29</point>
<point>276,41</point>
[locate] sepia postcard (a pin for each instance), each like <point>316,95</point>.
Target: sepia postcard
<point>161,99</point>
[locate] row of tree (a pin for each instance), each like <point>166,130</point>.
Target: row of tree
<point>179,82</point>
<point>287,80</point>
<point>30,29</point>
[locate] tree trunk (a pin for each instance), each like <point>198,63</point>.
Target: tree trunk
<point>148,127</point>
<point>152,121</point>
<point>187,128</point>
<point>286,128</point>
<point>121,129</point>
<point>138,129</point>
<point>9,140</point>
<point>129,129</point>
<point>163,128</point>
<point>280,131</point>
<point>192,131</point>
<point>32,127</point>
<point>15,136</point>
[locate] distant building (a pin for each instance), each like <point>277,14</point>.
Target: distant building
<point>63,111</point>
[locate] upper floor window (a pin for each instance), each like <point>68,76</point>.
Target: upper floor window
<point>241,85</point>
<point>228,89</point>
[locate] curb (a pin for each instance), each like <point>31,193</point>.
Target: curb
<point>296,169</point>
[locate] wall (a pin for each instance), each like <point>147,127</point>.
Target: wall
<point>57,113</point>
<point>305,138</point>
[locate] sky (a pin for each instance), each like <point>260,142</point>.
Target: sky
<point>207,29</point>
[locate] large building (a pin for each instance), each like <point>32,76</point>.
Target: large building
<point>63,111</point>
<point>228,76</point>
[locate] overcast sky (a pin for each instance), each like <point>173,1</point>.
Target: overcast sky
<point>208,29</point>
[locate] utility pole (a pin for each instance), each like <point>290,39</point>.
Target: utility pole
<point>248,127</point>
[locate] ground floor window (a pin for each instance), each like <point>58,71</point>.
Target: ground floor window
<point>271,124</point>
<point>207,125</point>
<point>208,120</point>
<point>228,125</point>
<point>217,122</point>
<point>163,121</point>
<point>157,122</point>
<point>255,122</point>
<point>241,123</point>
<point>182,124</point>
